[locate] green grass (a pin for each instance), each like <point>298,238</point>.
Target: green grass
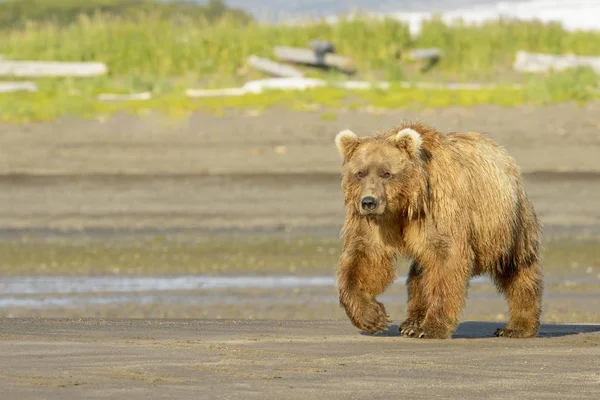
<point>152,45</point>
<point>490,49</point>
<point>580,84</point>
<point>58,98</point>
<point>149,52</point>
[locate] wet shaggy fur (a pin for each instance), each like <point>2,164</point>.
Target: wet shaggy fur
<point>454,203</point>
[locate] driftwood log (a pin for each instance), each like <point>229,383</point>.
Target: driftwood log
<point>423,54</point>
<point>274,68</point>
<point>321,46</point>
<point>125,97</point>
<point>430,57</point>
<point>260,86</point>
<point>539,63</point>
<point>311,57</point>
<point>6,87</point>
<point>51,69</point>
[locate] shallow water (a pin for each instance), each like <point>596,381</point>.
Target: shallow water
<point>274,276</point>
<point>51,292</point>
<point>118,284</point>
<point>43,291</point>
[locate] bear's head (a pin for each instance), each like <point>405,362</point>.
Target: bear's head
<point>383,174</point>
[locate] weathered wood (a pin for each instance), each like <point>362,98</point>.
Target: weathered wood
<point>321,46</point>
<point>455,86</point>
<point>310,57</point>
<point>124,97</point>
<point>6,87</point>
<point>538,62</point>
<point>260,86</point>
<point>423,54</point>
<point>430,57</point>
<point>274,68</point>
<point>362,85</point>
<point>215,92</point>
<point>51,69</point>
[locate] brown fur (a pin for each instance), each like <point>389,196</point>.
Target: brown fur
<point>455,204</point>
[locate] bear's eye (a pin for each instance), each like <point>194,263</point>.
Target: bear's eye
<point>386,175</point>
<point>360,174</point>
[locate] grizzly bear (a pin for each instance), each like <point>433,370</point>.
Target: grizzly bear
<point>454,204</point>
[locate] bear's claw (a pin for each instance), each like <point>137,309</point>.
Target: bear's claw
<point>423,333</point>
<point>409,325</point>
<point>512,333</point>
<point>374,319</point>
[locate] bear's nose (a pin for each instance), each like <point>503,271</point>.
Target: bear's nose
<point>368,203</point>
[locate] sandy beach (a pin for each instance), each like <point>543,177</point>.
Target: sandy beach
<point>221,359</point>
<point>144,257</point>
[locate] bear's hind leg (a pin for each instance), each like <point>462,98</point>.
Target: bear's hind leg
<point>416,306</point>
<point>523,290</point>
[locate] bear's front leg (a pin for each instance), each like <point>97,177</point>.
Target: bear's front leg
<point>417,303</point>
<point>444,288</point>
<point>362,276</point>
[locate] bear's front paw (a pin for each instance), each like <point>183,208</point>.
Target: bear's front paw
<point>426,332</point>
<point>410,324</point>
<point>514,333</point>
<point>372,318</point>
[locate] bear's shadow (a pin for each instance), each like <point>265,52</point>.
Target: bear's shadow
<point>480,330</point>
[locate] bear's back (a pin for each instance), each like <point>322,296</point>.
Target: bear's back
<point>475,190</point>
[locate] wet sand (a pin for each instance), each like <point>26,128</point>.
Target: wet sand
<point>257,195</point>
<point>244,202</point>
<point>276,169</point>
<point>563,138</point>
<point>217,359</point>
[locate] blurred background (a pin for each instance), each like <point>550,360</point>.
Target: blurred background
<point>176,159</point>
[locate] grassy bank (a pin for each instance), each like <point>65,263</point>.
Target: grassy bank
<point>165,55</point>
<point>149,44</point>
<point>153,46</point>
<point>58,98</point>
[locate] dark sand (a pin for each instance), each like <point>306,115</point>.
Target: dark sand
<point>222,359</point>
<point>560,138</point>
<point>279,169</point>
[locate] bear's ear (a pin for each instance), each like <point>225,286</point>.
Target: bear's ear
<point>346,142</point>
<point>410,140</point>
